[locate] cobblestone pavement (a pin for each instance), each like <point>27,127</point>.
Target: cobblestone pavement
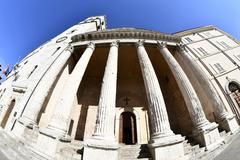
<point>232,152</point>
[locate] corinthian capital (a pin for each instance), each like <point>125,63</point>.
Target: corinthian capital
<point>115,43</point>
<point>70,48</point>
<point>91,45</point>
<point>181,47</point>
<point>162,45</point>
<point>140,43</point>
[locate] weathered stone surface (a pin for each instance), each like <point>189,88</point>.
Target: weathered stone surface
<point>103,141</point>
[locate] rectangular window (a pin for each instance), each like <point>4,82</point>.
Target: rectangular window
<point>35,67</point>
<point>203,51</point>
<point>224,44</point>
<point>2,93</point>
<point>189,39</point>
<point>238,56</point>
<point>208,34</point>
<point>219,67</point>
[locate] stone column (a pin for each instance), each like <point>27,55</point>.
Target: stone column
<point>200,123</point>
<point>226,120</point>
<point>106,108</point>
<point>59,123</point>
<point>32,109</point>
<point>162,138</point>
<point>103,138</point>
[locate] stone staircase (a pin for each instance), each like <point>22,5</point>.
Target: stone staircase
<point>226,136</point>
<point>134,152</point>
<point>15,150</point>
<point>192,150</point>
<point>73,151</point>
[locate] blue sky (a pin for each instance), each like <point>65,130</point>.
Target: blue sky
<point>25,24</point>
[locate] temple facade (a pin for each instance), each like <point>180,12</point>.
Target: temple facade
<point>94,93</point>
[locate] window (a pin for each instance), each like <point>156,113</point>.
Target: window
<point>203,51</point>
<point>74,30</point>
<point>16,77</point>
<point>208,34</point>
<point>83,37</point>
<point>219,67</point>
<point>56,50</point>
<point>35,67</point>
<point>61,39</point>
<point>189,39</point>
<point>238,56</point>
<point>224,44</point>
<point>2,93</point>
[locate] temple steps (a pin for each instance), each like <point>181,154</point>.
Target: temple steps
<point>15,150</point>
<point>192,150</point>
<point>226,136</point>
<point>134,152</point>
<point>72,151</point>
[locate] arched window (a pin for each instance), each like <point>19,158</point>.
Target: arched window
<point>2,93</point>
<point>235,91</point>
<point>35,67</point>
<point>56,50</point>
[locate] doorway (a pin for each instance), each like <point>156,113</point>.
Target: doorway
<point>235,91</point>
<point>128,129</point>
<point>7,114</point>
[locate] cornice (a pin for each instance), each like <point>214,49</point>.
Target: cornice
<point>194,30</point>
<point>125,33</point>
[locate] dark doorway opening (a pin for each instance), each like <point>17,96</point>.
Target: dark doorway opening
<point>7,114</point>
<point>235,91</point>
<point>128,131</point>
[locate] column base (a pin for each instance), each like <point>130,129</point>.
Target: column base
<point>19,129</point>
<point>97,148</point>
<point>27,122</point>
<point>25,134</point>
<point>229,124</point>
<point>167,148</point>
<point>46,146</point>
<point>208,136</point>
<point>55,134</point>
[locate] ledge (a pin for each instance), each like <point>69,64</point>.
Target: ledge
<point>125,33</point>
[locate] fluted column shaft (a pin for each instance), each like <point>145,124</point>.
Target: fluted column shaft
<point>42,90</point>
<point>106,107</point>
<point>60,120</point>
<point>158,114</point>
<point>218,106</point>
<point>191,99</point>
